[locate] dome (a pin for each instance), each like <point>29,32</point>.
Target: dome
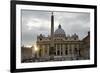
<point>59,31</point>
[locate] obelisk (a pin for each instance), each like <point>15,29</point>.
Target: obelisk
<point>52,30</point>
<point>52,38</point>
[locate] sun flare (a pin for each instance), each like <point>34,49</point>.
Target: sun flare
<point>35,48</point>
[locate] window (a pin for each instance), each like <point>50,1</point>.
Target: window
<point>40,39</point>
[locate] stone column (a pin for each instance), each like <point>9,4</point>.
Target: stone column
<point>70,51</point>
<point>43,50</point>
<point>48,50</point>
<point>78,53</point>
<point>63,49</point>
<point>56,49</point>
<point>68,46</point>
<point>38,51</point>
<point>60,49</point>
<point>72,47</point>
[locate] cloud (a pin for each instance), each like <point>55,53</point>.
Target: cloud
<point>37,22</point>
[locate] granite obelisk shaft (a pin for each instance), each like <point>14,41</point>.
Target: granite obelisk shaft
<point>52,30</point>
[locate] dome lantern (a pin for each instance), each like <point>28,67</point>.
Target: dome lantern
<point>59,26</point>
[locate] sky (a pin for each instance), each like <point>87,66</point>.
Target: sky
<point>34,23</point>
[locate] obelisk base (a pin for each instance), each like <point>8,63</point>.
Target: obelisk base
<point>51,53</point>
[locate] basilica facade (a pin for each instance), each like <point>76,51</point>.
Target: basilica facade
<point>64,46</point>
